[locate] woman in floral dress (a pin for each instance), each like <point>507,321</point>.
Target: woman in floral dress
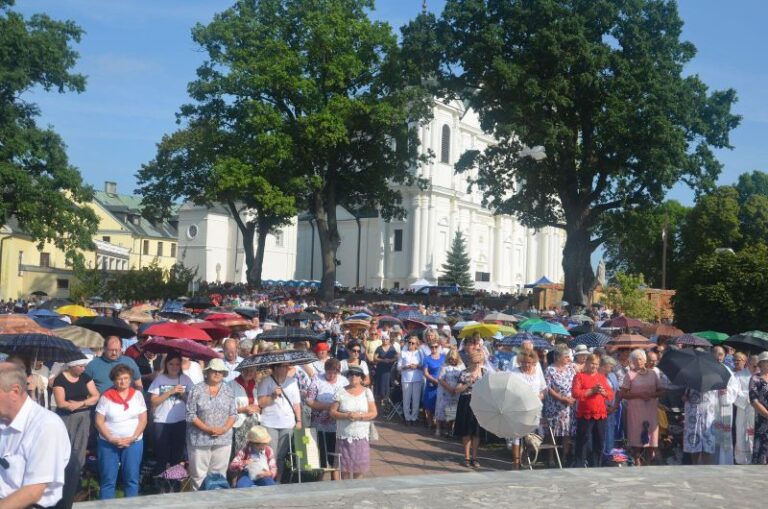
<point>446,397</point>
<point>559,404</point>
<point>758,396</point>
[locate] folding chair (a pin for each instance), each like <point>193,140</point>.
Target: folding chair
<point>304,454</point>
<point>392,405</point>
<point>543,446</point>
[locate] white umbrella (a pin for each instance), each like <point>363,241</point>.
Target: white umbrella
<point>505,405</point>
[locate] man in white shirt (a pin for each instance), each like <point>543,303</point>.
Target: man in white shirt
<point>34,446</point>
<point>231,358</point>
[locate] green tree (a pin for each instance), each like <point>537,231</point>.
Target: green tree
<point>627,295</point>
<point>724,292</point>
<point>332,85</point>
<point>750,184</point>
<point>38,186</point>
<point>712,223</point>
<point>753,217</point>
<point>591,107</point>
<point>456,270</point>
<point>634,241</point>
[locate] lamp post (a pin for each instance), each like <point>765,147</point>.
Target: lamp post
<point>664,256</point>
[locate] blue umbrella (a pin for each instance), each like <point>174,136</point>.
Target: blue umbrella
<point>40,347</point>
<point>43,312</point>
<point>548,328</point>
<point>591,339</point>
<point>359,316</point>
<point>175,309</point>
<point>516,339</point>
<point>410,314</point>
<point>50,322</point>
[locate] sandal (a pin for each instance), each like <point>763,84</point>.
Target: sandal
<point>467,462</point>
<point>475,463</point>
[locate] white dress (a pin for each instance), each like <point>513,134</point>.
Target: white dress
<point>745,420</point>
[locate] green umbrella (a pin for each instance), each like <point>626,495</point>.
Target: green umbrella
<point>528,323</point>
<point>713,337</point>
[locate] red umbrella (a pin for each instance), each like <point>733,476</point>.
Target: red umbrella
<point>185,347</point>
<point>624,322</point>
<point>213,329</point>
<point>235,323</point>
<point>176,330</point>
<point>221,316</point>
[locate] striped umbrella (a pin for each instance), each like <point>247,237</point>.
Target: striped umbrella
<point>691,340</point>
<point>630,341</point>
<point>40,347</point>
<point>592,339</point>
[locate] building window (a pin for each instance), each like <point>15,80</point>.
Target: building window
<point>62,284</point>
<point>106,238</point>
<point>445,145</point>
<point>192,231</point>
<point>173,250</point>
<point>159,249</point>
<point>146,247</point>
<point>45,259</point>
<point>397,285</point>
<point>398,240</point>
<point>483,276</point>
<point>279,240</point>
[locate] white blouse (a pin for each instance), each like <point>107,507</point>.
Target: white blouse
<point>353,430</point>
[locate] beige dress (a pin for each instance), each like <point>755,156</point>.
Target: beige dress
<point>642,415</point>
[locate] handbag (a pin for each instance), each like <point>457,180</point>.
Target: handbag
<point>373,433</point>
<point>450,411</point>
<point>533,442</point>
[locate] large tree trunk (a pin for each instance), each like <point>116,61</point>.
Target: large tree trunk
<point>248,231</point>
<point>262,230</point>
<point>577,266</point>
<point>324,210</point>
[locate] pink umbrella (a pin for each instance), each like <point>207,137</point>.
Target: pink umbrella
<point>176,330</point>
<point>185,347</point>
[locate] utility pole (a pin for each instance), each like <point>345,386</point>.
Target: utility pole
<point>664,256</point>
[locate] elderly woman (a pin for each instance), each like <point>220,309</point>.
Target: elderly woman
<point>353,408</point>
<point>320,399</point>
<point>384,358</point>
<point>466,425</point>
<point>758,397</point>
<point>744,420</point>
<point>211,413</point>
<point>447,397</point>
<point>559,402</point>
<point>593,391</point>
<point>75,394</point>
<point>246,400</point>
<point>412,379</point>
<point>323,352</point>
<point>254,464</point>
<point>168,398</point>
<point>432,366</point>
<point>527,364</point>
<point>280,403</point>
<point>121,416</point>
<point>607,365</point>
<point>640,390</point>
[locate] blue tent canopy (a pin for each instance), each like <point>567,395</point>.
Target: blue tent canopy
<point>542,281</point>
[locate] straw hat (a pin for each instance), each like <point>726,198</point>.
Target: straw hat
<point>217,365</point>
<point>258,435</point>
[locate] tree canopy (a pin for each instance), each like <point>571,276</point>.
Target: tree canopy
<point>38,186</point>
<point>591,108</point>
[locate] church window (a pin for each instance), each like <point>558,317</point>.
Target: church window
<point>398,240</point>
<point>483,276</point>
<point>445,146</point>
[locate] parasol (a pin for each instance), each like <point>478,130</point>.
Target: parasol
<point>199,302</point>
<point>505,405</point>
<point>713,337</point>
<point>694,370</point>
<point>80,337</point>
<point>691,340</point>
<point>592,339</point>
<point>185,347</point>
<point>277,357</point>
<point>548,328</point>
<point>106,326</point>
<point>290,335</point>
<point>136,316</point>
<point>661,330</point>
<point>40,347</point>
<point>753,341</point>
<point>500,317</point>
<point>175,330</point>
<point>516,340</point>
<point>486,330</point>
<point>629,341</point>
<point>213,329</point>
<point>21,324</point>
<point>624,322</point>
<point>249,313</point>
<point>301,316</point>
<point>75,311</point>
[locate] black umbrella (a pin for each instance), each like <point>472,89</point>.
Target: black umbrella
<point>290,335</point>
<point>199,302</point>
<point>332,310</point>
<point>302,316</point>
<point>54,304</point>
<point>434,320</point>
<point>694,370</point>
<point>753,341</point>
<point>39,293</point>
<point>106,326</point>
<point>584,328</point>
<point>40,347</point>
<point>249,313</point>
<point>277,357</point>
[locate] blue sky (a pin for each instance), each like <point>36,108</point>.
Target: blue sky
<point>139,56</point>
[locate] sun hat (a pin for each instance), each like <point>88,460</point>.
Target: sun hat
<point>580,350</point>
<point>258,435</point>
<point>396,329</point>
<point>355,370</point>
<point>217,365</point>
<point>762,357</point>
<point>78,362</point>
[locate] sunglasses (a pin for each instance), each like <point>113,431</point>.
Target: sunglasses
<point>355,350</point>
<point>354,373</point>
<point>434,346</point>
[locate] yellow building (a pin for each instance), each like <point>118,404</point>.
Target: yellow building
<point>125,240</point>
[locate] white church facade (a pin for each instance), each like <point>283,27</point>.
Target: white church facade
<point>378,254</point>
<point>504,254</point>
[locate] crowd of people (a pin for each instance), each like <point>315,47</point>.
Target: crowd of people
<point>134,410</point>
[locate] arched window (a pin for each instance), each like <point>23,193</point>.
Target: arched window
<point>445,147</point>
